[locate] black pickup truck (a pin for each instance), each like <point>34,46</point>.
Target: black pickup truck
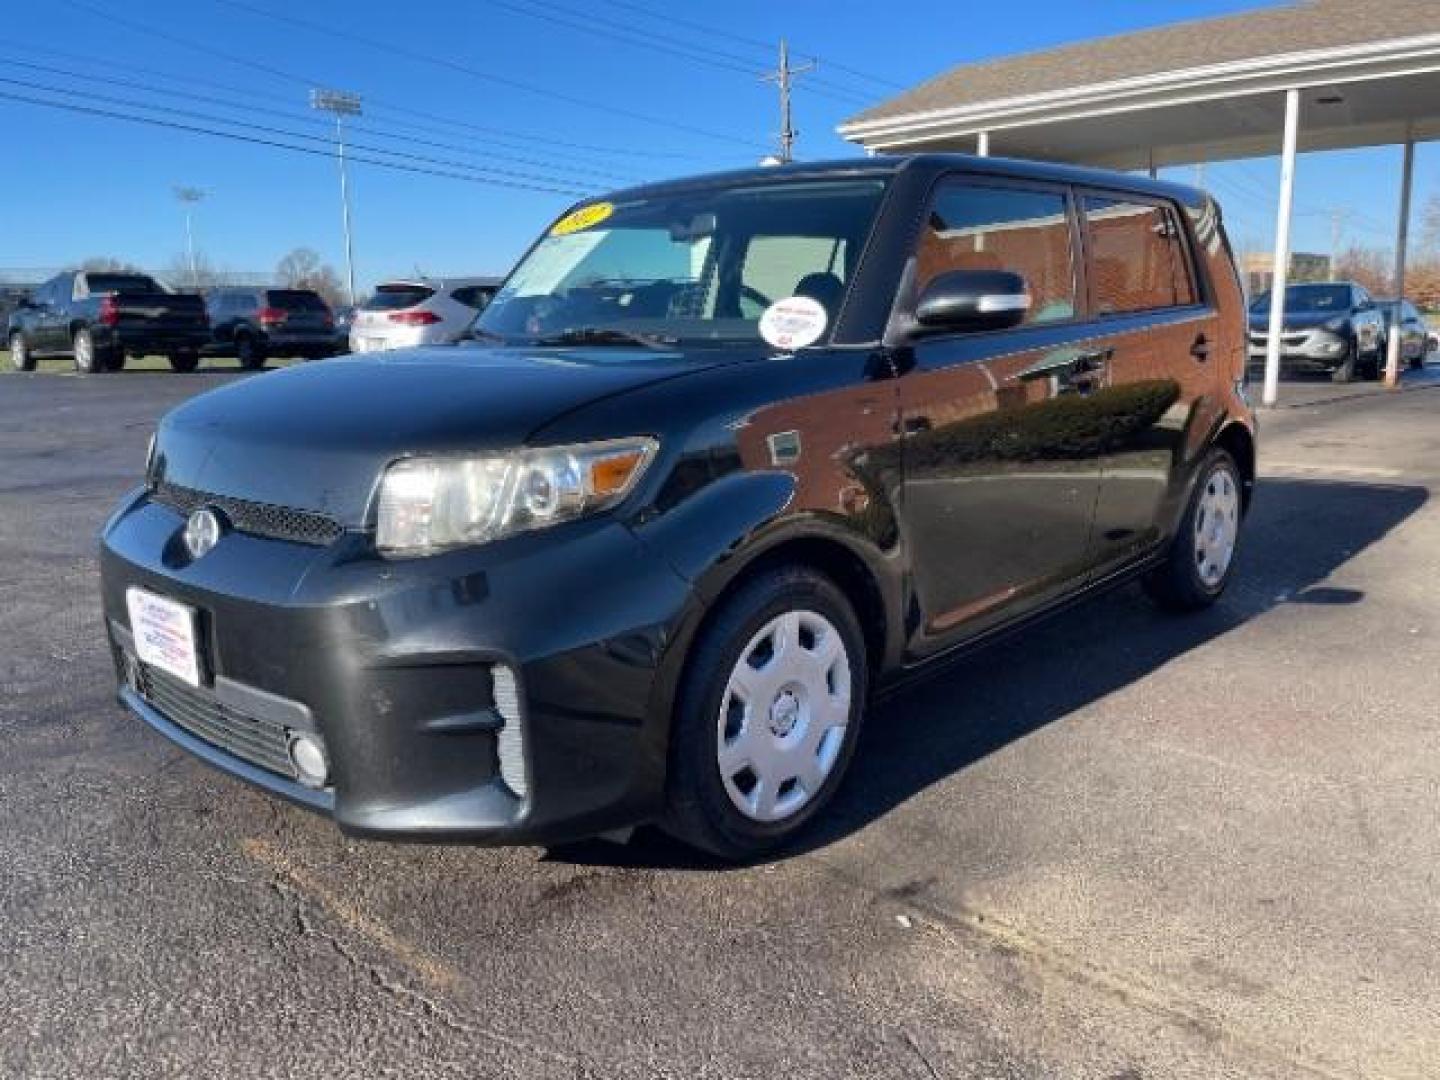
<point>100,317</point>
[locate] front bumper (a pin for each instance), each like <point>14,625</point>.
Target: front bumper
<point>1318,350</point>
<point>400,667</point>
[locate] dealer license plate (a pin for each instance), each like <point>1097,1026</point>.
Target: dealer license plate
<point>164,634</point>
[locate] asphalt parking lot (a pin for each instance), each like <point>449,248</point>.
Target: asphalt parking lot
<point>1124,846</point>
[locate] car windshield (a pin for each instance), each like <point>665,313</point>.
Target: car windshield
<point>121,283</point>
<point>1308,298</point>
<point>694,267</point>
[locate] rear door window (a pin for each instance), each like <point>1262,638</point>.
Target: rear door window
<point>1018,230</point>
<point>1138,258</point>
<point>396,297</point>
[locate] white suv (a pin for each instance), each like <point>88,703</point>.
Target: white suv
<point>420,312</point>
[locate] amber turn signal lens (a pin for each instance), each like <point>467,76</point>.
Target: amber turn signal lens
<point>609,475</point>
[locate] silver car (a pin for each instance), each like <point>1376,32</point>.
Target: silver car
<point>429,311</point>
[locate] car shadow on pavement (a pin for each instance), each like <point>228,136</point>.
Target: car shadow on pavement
<point>1297,534</point>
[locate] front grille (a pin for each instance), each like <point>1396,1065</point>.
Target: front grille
<point>258,519</point>
<point>257,741</point>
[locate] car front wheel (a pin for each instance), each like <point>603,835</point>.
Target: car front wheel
<point>184,363</point>
<point>768,716</point>
<point>20,357</point>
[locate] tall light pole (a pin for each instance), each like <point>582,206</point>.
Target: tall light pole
<point>188,197</point>
<point>341,104</point>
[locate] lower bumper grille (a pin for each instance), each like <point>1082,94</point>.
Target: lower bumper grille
<point>260,742</point>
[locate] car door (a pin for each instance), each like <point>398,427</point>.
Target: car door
<point>1162,365</point>
<point>998,490</point>
<point>55,298</point>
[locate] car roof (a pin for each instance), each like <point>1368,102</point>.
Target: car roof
<point>440,282</point>
<point>890,165</point>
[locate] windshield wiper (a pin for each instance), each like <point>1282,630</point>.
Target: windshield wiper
<point>607,335</point>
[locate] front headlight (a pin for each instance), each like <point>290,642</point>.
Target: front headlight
<point>428,504</point>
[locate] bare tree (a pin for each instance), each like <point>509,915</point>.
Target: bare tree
<point>1368,266</point>
<point>1430,227</point>
<point>302,268</point>
<point>107,264</point>
<point>177,272</point>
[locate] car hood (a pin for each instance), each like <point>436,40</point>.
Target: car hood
<point>316,436</point>
<point>1296,320</point>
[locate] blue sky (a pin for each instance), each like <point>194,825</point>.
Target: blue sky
<point>543,88</point>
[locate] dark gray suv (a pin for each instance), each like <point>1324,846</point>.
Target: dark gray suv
<point>253,325</point>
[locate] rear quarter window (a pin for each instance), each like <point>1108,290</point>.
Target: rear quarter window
<point>1138,258</point>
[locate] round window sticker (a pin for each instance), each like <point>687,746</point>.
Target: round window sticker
<point>794,322</point>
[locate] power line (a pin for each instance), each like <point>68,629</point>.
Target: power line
<point>266,129</point>
<point>716,31</point>
<point>474,176</point>
<point>307,82</point>
<point>295,117</point>
<point>394,48</point>
<point>586,22</point>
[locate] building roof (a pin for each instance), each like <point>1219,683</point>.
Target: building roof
<point>1305,26</point>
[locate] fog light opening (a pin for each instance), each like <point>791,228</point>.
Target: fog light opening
<point>511,741</point>
<point>307,754</point>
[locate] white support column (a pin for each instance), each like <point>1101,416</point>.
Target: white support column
<point>982,144</point>
<point>1280,278</point>
<point>1402,238</point>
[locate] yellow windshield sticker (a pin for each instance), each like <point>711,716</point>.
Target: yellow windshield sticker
<point>584,218</point>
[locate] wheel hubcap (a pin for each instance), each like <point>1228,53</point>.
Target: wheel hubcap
<point>1217,524</point>
<point>82,351</point>
<point>783,716</point>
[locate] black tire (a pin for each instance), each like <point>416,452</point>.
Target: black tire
<point>1346,371</point>
<point>700,812</point>
<point>1382,357</point>
<point>1177,584</point>
<point>21,359</point>
<point>249,352</point>
<point>89,359</point>
<point>184,363</point>
<point>115,361</point>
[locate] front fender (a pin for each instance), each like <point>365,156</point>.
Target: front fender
<point>716,534</point>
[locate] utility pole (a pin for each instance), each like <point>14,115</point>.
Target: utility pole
<point>188,197</point>
<point>783,77</point>
<point>341,104</point>
<point>1338,217</point>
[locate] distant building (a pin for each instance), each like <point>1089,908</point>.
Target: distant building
<point>1257,269</point>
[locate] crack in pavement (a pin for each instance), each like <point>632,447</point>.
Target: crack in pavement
<point>299,891</point>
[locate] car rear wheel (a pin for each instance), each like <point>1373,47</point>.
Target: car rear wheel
<point>249,352</point>
<point>20,356</point>
<point>89,360</point>
<point>768,716</point>
<point>184,363</point>
<point>1202,554</point>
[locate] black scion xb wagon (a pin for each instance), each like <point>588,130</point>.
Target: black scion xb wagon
<point>727,455</point>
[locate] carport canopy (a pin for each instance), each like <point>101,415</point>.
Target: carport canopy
<point>1314,75</point>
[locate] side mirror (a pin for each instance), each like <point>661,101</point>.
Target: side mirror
<point>971,300</point>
